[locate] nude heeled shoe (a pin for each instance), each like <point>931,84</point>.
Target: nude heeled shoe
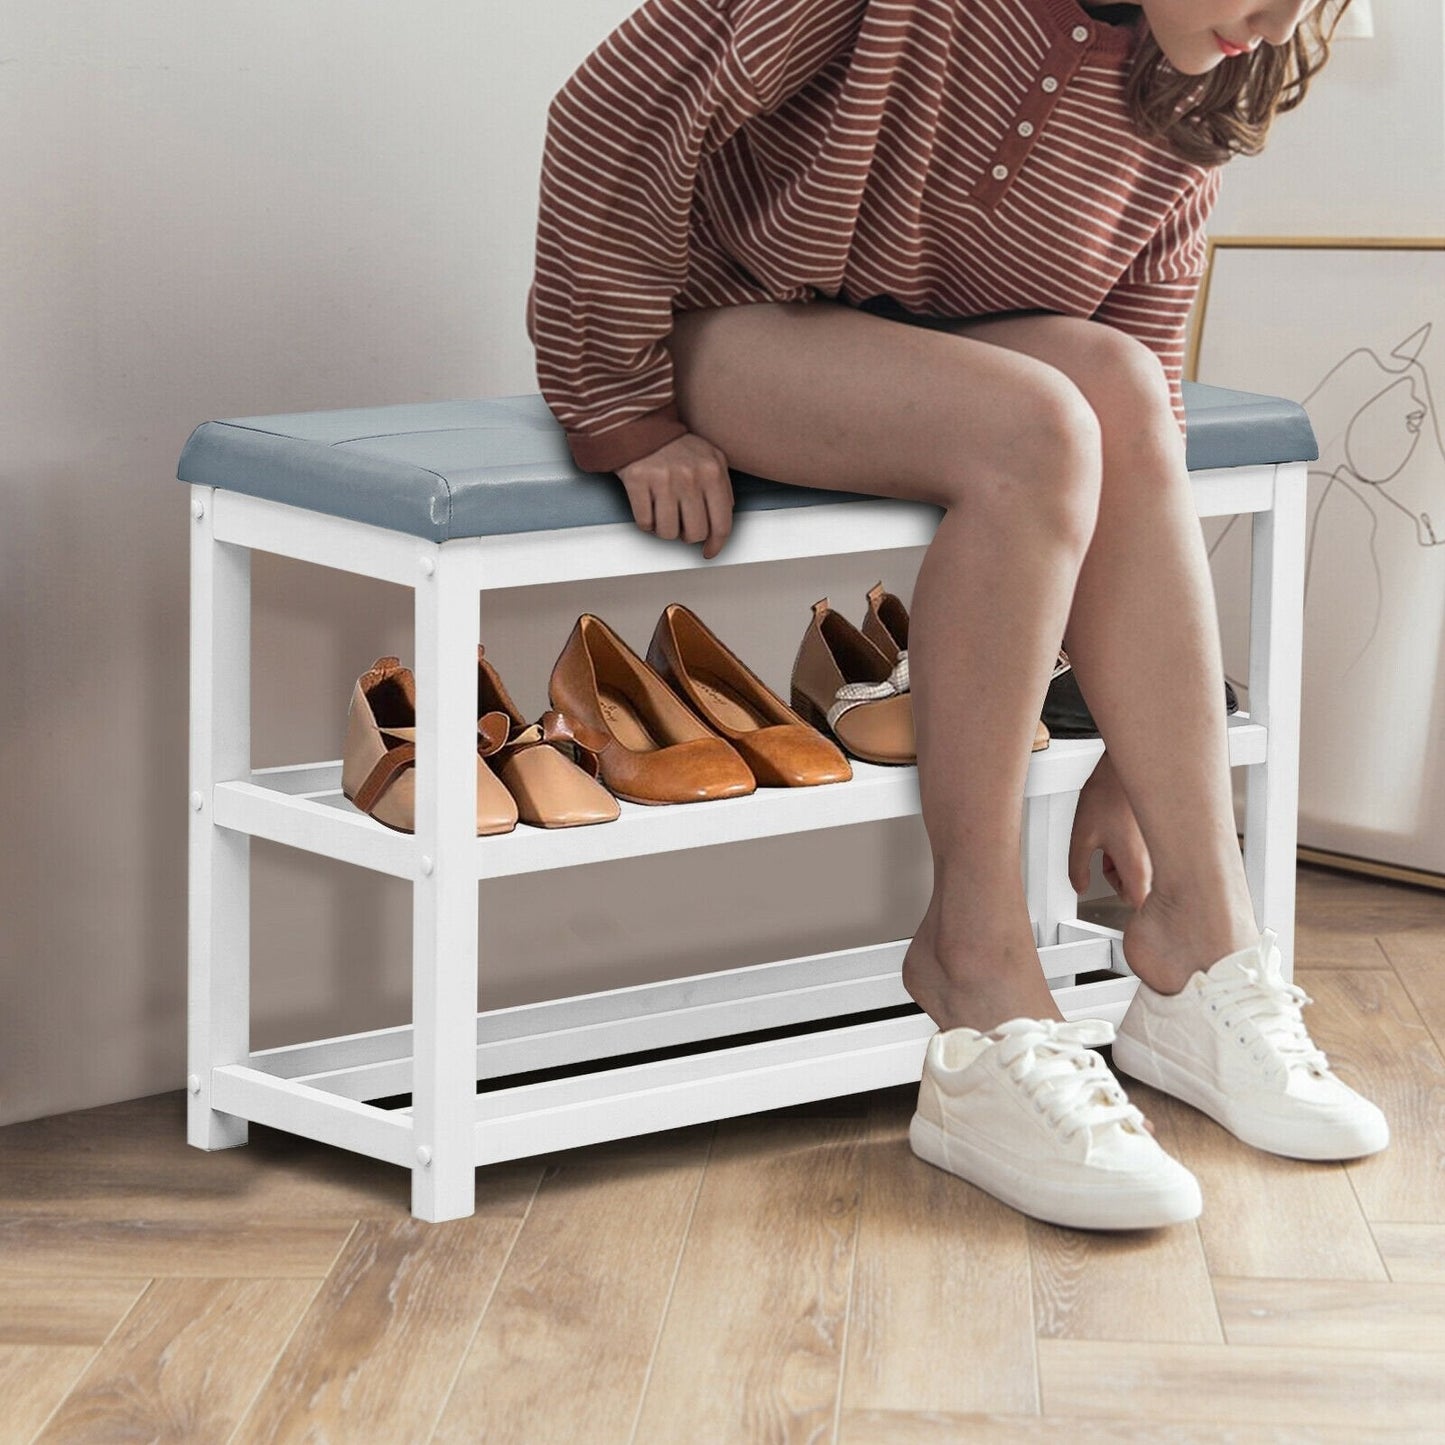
<point>550,766</point>
<point>886,626</point>
<point>657,749</point>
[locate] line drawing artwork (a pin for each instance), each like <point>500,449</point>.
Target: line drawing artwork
<point>1353,331</point>
<point>1368,488</point>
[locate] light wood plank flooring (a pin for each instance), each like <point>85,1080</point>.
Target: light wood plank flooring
<point>794,1276</point>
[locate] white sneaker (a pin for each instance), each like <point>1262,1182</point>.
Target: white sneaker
<point>1233,1043</point>
<point>1032,1114</point>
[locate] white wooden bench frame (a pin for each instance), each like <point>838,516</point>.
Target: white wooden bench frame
<point>321,1089</point>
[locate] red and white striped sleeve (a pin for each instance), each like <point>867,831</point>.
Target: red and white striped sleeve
<point>625,136</point>
<point>1153,298</point>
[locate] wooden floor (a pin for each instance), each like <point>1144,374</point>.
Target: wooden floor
<point>796,1276</point>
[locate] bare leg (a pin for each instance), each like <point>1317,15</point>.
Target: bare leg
<point>1143,637</point>
<point>821,395</point>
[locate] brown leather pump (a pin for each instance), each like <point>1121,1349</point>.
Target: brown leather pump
<point>657,751</point>
<point>781,748</point>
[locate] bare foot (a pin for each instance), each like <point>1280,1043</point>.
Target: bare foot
<point>975,992</point>
<point>1166,945</point>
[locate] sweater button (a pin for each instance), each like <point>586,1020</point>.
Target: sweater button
<point>999,173</point>
<point>1080,33</point>
<point>1049,84</point>
<point>1026,128</point>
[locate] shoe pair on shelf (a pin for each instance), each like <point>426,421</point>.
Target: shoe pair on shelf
<point>688,723</point>
<point>1067,715</point>
<point>854,680</point>
<point>543,773</point>
<point>1031,1113</point>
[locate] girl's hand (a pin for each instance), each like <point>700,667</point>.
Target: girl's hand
<point>682,489</point>
<point>1105,820</point>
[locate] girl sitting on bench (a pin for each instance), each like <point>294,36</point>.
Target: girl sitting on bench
<point>739,199</point>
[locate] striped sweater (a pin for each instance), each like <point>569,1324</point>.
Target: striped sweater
<point>963,157</point>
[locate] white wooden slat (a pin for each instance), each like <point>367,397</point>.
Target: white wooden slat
<point>1226,491</point>
<point>615,549</point>
<point>218,1004</point>
<point>1068,959</point>
<point>874,792</point>
<point>326,541</point>
<point>345,1051</point>
<point>724,1083</point>
<point>594,1013</point>
<point>324,822</point>
<point>444,893</point>
<point>617,1022</point>
<point>387,1078</point>
<point>1248,740</point>
<point>1276,642</point>
<point>614,1038</point>
<point>615,1103</point>
<point>719,1084</point>
<point>619,1039</point>
<point>300,780</point>
<point>622,549</point>
<point>316,826</point>
<point>1075,929</point>
<point>1049,821</point>
<point>286,1104</point>
<point>559,1048</point>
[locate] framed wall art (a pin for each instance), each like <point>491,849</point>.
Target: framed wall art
<point>1354,330</point>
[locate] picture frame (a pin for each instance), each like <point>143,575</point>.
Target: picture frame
<point>1354,330</point>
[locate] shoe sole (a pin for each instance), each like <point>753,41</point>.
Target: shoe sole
<point>1170,1201</point>
<point>1288,1141</point>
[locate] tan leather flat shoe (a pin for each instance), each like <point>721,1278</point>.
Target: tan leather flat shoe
<point>886,625</point>
<point>658,751</point>
<point>549,766</point>
<point>844,685</point>
<point>378,761</point>
<point>781,749</point>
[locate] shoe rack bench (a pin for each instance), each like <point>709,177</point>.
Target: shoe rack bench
<point>456,499</point>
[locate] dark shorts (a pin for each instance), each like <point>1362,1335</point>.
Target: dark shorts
<point>892,310</point>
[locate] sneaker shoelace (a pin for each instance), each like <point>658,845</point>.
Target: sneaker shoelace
<point>1055,1064</point>
<point>1261,997</point>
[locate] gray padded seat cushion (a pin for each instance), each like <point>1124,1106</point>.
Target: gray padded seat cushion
<point>449,469</point>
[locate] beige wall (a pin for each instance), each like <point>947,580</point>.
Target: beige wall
<point>228,209</point>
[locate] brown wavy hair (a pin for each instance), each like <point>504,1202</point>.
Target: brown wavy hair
<point>1228,111</point>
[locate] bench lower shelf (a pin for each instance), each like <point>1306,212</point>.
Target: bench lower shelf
<point>802,1049</point>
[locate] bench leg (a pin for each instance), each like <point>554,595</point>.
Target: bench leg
<point>444,908</point>
<point>1048,826</point>
<point>1276,640</point>
<point>219,943</point>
